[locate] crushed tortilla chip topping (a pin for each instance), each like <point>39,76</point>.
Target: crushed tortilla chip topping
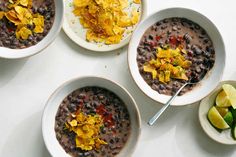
<point>21,15</point>
<point>87,129</point>
<point>2,14</point>
<point>23,33</point>
<point>106,20</point>
<point>169,63</point>
<point>137,1</point>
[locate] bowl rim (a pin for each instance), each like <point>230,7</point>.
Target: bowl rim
<point>134,104</point>
<point>51,40</point>
<point>132,38</point>
<point>84,44</point>
<point>199,112</point>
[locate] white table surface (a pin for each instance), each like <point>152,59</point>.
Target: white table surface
<point>26,84</point>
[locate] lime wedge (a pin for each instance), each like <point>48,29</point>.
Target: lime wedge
<point>234,131</point>
<point>222,100</point>
<point>229,118</point>
<point>216,119</point>
<point>222,110</point>
<point>231,93</point>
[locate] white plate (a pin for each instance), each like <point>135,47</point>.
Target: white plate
<point>225,136</point>
<point>207,84</point>
<point>47,40</point>
<point>77,33</point>
<point>48,120</point>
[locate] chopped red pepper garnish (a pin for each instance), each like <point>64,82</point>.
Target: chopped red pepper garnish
<point>173,40</point>
<point>158,37</point>
<point>107,117</point>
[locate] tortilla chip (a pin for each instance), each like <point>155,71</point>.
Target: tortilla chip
<point>23,33</point>
<point>137,1</point>
<point>2,14</point>
<point>39,23</point>
<point>104,19</point>
<point>81,3</point>
<point>135,17</point>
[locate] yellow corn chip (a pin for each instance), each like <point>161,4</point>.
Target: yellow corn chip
<point>106,20</point>
<point>81,3</point>
<point>137,1</point>
<point>39,23</point>
<point>12,16</point>
<point>123,3</point>
<point>124,21</point>
<point>24,15</point>
<point>150,69</point>
<point>24,2</point>
<point>87,129</point>
<point>23,33</point>
<point>2,14</point>
<point>135,17</point>
<point>21,15</point>
<point>170,63</point>
<point>113,39</point>
<point>118,30</point>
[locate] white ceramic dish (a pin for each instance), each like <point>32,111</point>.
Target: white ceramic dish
<point>77,33</point>
<point>26,52</point>
<point>209,82</point>
<point>225,136</point>
<point>48,120</point>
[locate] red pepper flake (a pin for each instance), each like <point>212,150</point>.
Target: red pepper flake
<point>158,37</point>
<point>173,40</point>
<point>10,30</point>
<point>180,39</point>
<point>152,44</point>
<point>107,117</point>
<point>101,109</point>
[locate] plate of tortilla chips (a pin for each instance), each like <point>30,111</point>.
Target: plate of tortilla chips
<point>102,25</point>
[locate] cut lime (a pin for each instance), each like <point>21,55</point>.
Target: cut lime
<point>234,131</point>
<point>231,93</point>
<point>222,100</point>
<point>222,110</point>
<point>229,118</point>
<point>216,119</point>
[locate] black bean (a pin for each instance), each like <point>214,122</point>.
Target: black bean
<point>112,141</point>
<point>86,153</point>
<point>158,23</point>
<point>161,86</point>
<point>187,38</point>
<point>168,32</point>
<point>72,107</point>
<point>154,86</point>
<point>163,27</point>
<point>174,28</point>
<point>197,27</point>
<point>188,46</point>
<point>198,69</point>
<point>150,37</point>
<point>206,40</point>
<point>203,32</point>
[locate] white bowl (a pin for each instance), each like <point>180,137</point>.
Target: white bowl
<point>77,33</point>
<point>225,136</point>
<point>48,120</point>
<point>209,82</point>
<point>29,51</point>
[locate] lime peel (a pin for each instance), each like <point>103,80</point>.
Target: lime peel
<point>231,93</point>
<point>216,119</point>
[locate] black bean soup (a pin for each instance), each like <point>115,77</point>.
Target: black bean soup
<point>90,101</point>
<point>8,38</point>
<point>175,32</point>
